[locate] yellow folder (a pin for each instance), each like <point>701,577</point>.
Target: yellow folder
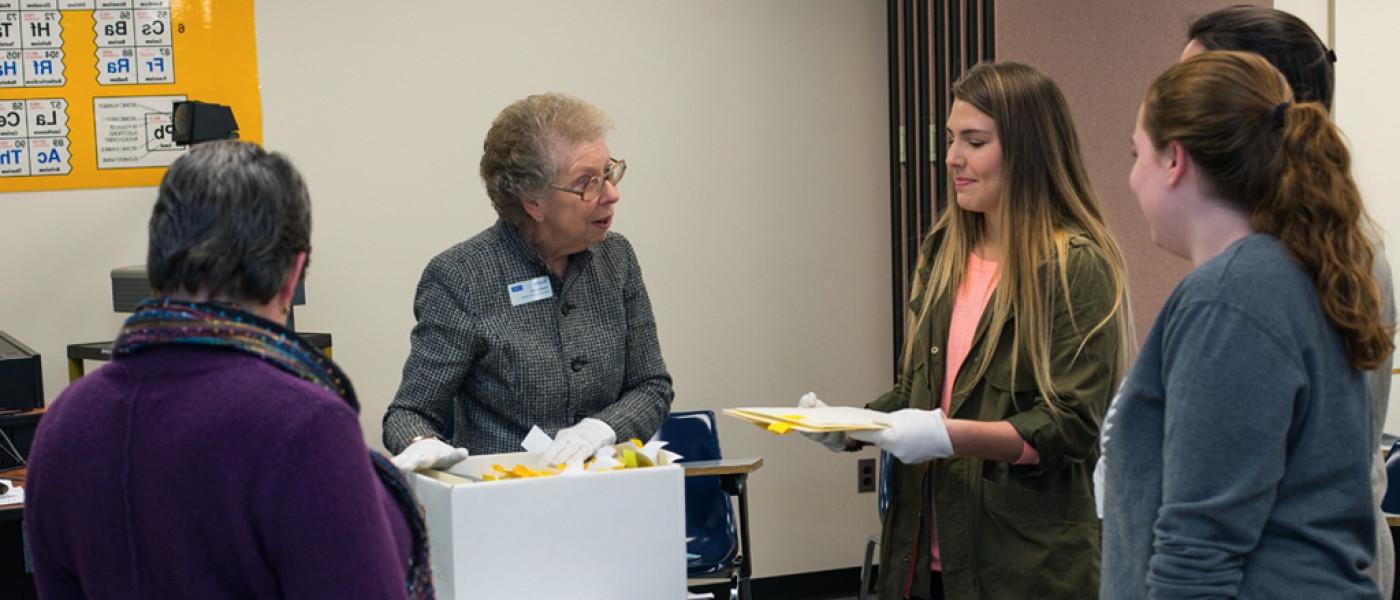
<point>821,419</point>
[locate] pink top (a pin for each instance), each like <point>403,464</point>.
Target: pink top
<point>968,305</point>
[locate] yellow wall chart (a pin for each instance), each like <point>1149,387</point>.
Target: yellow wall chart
<point>86,86</point>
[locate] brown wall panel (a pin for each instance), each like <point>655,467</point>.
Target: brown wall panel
<point>1103,54</point>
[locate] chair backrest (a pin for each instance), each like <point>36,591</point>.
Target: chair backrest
<point>709,515</point>
<point>885,461</point>
<point>1390,502</point>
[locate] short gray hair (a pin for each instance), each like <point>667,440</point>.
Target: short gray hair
<point>521,154</point>
<point>229,220</point>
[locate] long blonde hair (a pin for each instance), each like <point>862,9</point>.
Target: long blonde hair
<point>1046,198</point>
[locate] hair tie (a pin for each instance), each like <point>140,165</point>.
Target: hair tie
<point>1331,56</point>
<point>1279,114</point>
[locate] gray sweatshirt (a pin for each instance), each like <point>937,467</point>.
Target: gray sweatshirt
<point>1238,455</point>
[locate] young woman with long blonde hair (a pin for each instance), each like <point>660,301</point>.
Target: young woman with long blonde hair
<point>1016,334</point>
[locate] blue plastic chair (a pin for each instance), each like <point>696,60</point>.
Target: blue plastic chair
<point>874,541</point>
<point>713,548</point>
<point>1390,502</point>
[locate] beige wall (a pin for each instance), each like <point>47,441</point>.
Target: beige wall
<point>1367,54</point>
<point>1316,13</point>
<point>756,198</point>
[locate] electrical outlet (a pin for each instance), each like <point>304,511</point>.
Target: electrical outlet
<point>865,471</point>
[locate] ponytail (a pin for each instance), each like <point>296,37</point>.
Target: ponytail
<point>1315,209</point>
<point>1288,166</point>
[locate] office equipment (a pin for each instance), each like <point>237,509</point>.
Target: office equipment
<point>21,376</point>
<point>16,436</point>
<point>16,567</point>
<point>102,352</point>
<point>131,286</point>
<point>11,513</point>
<point>712,483</point>
<point>197,122</point>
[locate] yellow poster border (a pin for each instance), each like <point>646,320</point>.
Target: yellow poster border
<point>215,60</point>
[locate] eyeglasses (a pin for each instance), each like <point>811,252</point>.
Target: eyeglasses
<point>593,188</point>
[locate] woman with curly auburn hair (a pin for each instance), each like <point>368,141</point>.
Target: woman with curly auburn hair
<point>1237,457</point>
<point>1309,66</point>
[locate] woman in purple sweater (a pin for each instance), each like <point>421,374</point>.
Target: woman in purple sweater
<point>219,455</point>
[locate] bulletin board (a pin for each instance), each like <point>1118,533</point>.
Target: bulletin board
<point>86,86</point>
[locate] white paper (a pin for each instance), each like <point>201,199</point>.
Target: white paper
<point>573,468</point>
<point>655,451</point>
<point>537,440</point>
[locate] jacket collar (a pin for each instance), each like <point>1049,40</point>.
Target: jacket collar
<point>516,242</point>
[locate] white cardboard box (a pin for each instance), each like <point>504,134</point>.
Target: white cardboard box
<point>617,535</point>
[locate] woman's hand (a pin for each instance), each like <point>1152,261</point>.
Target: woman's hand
<point>834,441</point>
<point>579,442</point>
<point>913,436</point>
<point>428,453</point>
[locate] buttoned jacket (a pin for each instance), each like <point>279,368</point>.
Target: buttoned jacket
<point>1004,530</point>
<point>487,370</point>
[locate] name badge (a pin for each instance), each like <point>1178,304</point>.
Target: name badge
<point>530,290</point>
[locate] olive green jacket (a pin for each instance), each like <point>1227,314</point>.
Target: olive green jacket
<point>1008,531</point>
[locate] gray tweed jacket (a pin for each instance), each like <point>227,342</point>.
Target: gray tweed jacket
<point>486,371</point>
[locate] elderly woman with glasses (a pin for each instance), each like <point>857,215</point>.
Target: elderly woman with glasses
<point>541,319</point>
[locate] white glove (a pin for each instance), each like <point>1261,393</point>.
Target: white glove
<point>914,435</point>
<point>834,441</point>
<point>428,453</point>
<point>579,442</point>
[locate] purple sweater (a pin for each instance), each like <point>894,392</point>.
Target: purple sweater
<point>189,472</point>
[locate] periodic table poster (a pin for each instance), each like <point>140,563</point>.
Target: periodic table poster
<point>86,86</point>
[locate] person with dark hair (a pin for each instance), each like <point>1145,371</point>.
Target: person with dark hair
<point>1016,335</point>
<point>543,318</point>
<point>219,455</point>
<point>1280,37</point>
<point>1308,65</point>
<point>1237,454</point>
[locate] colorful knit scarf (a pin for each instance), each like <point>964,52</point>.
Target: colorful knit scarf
<point>164,321</point>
